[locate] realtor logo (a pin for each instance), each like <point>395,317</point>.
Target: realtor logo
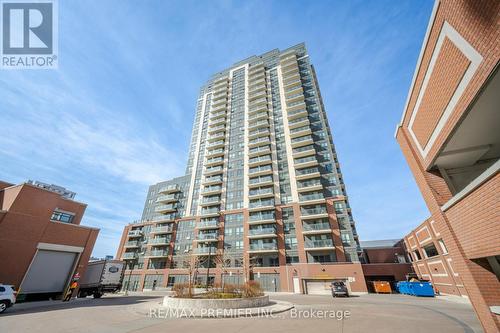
<point>29,34</point>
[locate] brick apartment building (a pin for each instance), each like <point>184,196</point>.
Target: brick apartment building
<point>263,188</point>
<point>449,134</point>
<point>431,259</point>
<point>42,244</point>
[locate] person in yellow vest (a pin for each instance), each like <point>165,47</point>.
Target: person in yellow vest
<point>69,293</point>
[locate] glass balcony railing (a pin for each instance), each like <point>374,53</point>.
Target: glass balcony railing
<point>261,203</point>
<point>261,168</point>
<point>132,244</point>
<point>207,236</point>
<point>163,229</point>
<point>261,217</point>
<point>205,250</point>
<point>259,180</point>
<point>305,159</point>
<point>315,196</point>
<point>129,255</point>
<point>316,226</point>
<point>260,159</point>
<point>261,191</point>
<point>158,253</point>
<point>209,223</point>
<point>307,171</point>
<point>301,138</point>
<point>261,231</point>
<point>263,246</point>
<point>211,189</point>
<point>160,240</point>
<point>135,233</point>
<point>318,243</point>
<point>210,211</point>
<point>169,188</point>
<point>313,211</point>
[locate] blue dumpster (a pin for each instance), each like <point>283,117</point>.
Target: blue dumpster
<point>403,287</point>
<point>421,289</point>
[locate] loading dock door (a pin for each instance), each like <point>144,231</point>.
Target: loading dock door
<point>318,287</point>
<point>49,272</point>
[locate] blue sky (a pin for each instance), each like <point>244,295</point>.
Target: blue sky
<point>117,114</point>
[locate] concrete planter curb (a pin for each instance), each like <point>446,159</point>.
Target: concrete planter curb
<point>232,303</point>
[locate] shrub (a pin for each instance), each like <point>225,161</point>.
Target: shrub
<point>231,289</point>
<point>252,289</point>
<point>182,290</point>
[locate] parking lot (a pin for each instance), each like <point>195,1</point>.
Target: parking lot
<point>366,313</point>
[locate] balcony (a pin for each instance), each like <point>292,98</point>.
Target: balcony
<point>210,211</point>
<point>209,201</point>
<point>303,151</point>
<point>217,115</point>
<point>217,121</point>
<point>294,106</point>
<point>258,133</point>
<point>162,230</point>
<point>255,233</point>
<point>257,109</point>
<point>216,136</point>
<point>135,233</point>
<point>205,250</point>
<point>207,237</point>
<point>295,114</point>
<point>132,244</point>
<point>312,213</point>
<point>216,129</point>
<point>308,173</point>
<point>302,141</point>
<point>257,151</point>
<point>215,152</point>
<point>310,198</point>
<point>165,218</point>
<point>300,131</point>
<point>257,94</point>
<point>214,161</point>
<point>259,141</point>
<point>309,185</point>
<point>261,193</point>
<point>159,241</point>
<point>157,253</point>
<point>218,102</point>
<point>321,244</point>
<point>216,144</point>
<point>169,189</point>
<point>262,218</point>
<point>293,84</point>
<point>263,247</point>
<point>261,205</point>
<point>211,190</point>
<point>260,86</point>
<point>304,162</point>
<point>212,180</point>
<point>261,170</point>
<point>260,181</point>
<point>259,160</point>
<point>166,208</point>
<point>316,228</point>
<point>208,224</point>
<point>292,76</point>
<point>257,116</point>
<point>129,255</point>
<point>298,122</point>
<point>256,83</point>
<point>213,170</point>
<point>167,198</point>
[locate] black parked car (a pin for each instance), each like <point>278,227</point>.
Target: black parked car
<point>339,288</point>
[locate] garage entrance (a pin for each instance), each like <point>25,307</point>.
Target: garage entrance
<point>318,287</point>
<point>49,272</point>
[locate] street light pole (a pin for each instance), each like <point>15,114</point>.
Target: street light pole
<point>131,266</point>
<point>209,257</point>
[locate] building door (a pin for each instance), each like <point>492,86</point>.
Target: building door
<point>49,272</point>
<point>296,285</point>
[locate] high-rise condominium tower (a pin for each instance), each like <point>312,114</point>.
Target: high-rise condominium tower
<point>263,189</point>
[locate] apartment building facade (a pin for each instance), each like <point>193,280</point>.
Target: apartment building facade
<point>263,188</point>
<point>42,244</point>
<point>449,136</point>
<point>431,259</point>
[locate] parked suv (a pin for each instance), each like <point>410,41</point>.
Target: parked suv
<point>339,288</point>
<point>7,297</point>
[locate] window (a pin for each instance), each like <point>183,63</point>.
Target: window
<point>443,246</point>
<point>430,250</point>
<point>417,255</point>
<point>62,217</point>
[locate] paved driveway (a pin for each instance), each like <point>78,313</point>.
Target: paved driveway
<point>367,313</point>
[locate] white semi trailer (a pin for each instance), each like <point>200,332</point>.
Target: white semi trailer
<point>102,276</point>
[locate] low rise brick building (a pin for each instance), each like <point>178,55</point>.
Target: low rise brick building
<point>449,136</point>
<point>42,244</point>
<point>432,261</point>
